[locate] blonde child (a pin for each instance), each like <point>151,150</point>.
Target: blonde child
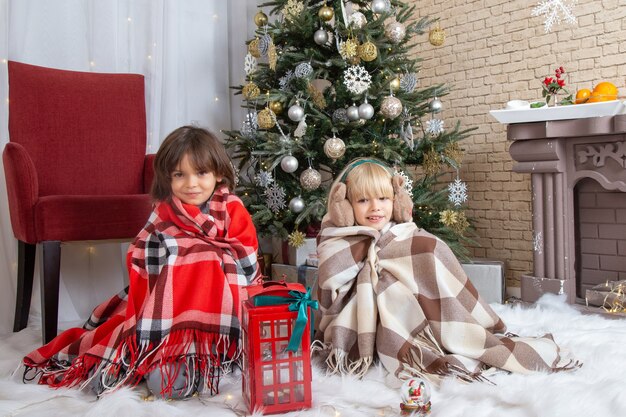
<point>391,291</point>
<point>177,323</point>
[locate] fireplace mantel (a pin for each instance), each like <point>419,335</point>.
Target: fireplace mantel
<point>558,154</point>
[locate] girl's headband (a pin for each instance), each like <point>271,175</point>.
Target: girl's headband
<point>361,162</point>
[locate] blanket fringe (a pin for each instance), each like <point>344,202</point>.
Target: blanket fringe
<point>338,362</point>
<point>206,356</point>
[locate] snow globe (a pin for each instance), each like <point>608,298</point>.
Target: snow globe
<point>415,393</point>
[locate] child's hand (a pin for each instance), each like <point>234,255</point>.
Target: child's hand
<point>339,208</point>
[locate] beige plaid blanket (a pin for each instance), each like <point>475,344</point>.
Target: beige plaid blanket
<point>403,297</point>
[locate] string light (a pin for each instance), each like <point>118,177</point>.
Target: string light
<point>217,99</point>
<point>92,64</point>
<point>130,19</point>
<point>4,61</point>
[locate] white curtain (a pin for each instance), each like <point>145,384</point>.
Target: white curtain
<point>190,52</point>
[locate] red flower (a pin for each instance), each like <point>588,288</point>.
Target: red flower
<point>561,83</point>
<point>547,80</point>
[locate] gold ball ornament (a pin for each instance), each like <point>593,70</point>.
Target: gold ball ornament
<point>310,179</point>
<point>276,107</point>
<point>437,36</point>
<point>394,84</point>
<point>265,118</point>
<point>326,13</point>
<point>334,148</point>
<point>367,51</point>
<point>253,48</point>
<point>250,91</point>
<point>260,19</point>
<point>391,107</point>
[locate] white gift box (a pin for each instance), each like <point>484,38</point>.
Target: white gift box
<point>284,253</point>
<point>487,275</point>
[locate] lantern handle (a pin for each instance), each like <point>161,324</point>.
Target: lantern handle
<point>280,283</point>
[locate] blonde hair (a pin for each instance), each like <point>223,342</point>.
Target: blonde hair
<point>366,178</point>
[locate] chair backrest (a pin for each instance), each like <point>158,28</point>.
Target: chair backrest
<point>85,131</point>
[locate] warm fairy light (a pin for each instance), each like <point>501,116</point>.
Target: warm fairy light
<point>215,16</point>
<point>4,61</point>
<point>149,56</point>
<point>91,250</point>
<point>217,99</point>
<point>130,19</point>
<point>229,397</point>
<point>92,64</point>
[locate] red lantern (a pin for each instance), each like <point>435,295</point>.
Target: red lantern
<point>276,374</point>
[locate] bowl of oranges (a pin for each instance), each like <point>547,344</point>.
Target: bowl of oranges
<point>603,91</point>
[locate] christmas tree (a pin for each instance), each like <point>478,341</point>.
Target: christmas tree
<point>329,81</point>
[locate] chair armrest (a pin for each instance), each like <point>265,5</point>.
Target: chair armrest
<point>148,172</point>
<point>22,190</point>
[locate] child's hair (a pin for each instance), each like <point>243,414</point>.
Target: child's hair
<point>367,178</point>
<point>205,152</point>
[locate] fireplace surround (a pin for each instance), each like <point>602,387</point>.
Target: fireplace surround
<point>578,176</point>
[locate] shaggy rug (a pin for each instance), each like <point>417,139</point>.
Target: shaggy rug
<point>596,389</point>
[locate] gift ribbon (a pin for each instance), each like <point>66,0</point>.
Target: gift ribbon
<point>298,301</point>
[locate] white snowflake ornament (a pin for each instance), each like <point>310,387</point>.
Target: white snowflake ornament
<point>408,182</point>
<point>357,79</point>
<point>264,179</point>
<point>285,80</point>
<point>555,11</point>
<point>275,198</point>
<point>457,192</point>
<point>434,126</point>
<point>250,64</point>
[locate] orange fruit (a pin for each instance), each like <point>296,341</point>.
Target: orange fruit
<point>604,91</point>
<point>582,95</point>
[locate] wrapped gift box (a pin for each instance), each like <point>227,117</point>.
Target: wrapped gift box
<point>487,275</point>
<point>276,366</point>
<point>284,253</point>
<point>303,274</point>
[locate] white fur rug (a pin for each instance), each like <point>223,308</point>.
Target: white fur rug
<point>596,389</point>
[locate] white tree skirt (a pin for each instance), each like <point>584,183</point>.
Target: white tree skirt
<point>596,389</point>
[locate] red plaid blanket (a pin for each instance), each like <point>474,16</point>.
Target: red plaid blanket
<point>187,270</point>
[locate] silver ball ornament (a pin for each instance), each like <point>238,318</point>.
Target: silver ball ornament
<point>296,112</point>
<point>289,163</point>
<point>310,179</point>
<point>395,32</point>
<point>296,204</point>
<point>353,113</point>
<point>436,106</point>
<point>334,147</point>
<point>391,107</point>
<point>320,37</point>
<point>380,6</point>
<point>358,20</point>
<point>366,111</point>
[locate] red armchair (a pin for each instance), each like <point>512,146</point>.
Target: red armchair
<point>76,170</point>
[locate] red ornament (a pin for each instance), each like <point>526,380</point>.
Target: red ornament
<point>276,374</point>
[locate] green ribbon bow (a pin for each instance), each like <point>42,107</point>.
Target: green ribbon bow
<point>298,301</point>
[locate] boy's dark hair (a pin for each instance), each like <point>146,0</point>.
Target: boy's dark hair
<point>205,151</point>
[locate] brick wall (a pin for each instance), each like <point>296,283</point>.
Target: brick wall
<point>602,229</point>
<point>495,51</point>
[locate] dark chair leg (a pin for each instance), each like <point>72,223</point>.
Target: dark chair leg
<point>25,271</point>
<point>51,265</point>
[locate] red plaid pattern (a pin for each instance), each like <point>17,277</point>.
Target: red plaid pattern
<point>187,271</point>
